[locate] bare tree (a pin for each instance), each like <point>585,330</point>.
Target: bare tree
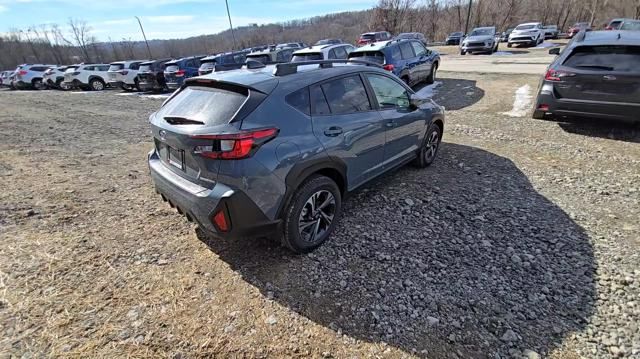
<point>81,38</point>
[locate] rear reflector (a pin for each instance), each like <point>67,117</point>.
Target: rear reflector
<point>234,146</point>
<point>388,67</point>
<point>543,107</point>
<point>220,221</point>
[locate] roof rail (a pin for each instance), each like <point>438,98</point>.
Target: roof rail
<point>292,67</point>
<point>581,35</point>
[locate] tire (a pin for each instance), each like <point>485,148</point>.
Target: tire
<point>509,44</point>
<point>462,52</point>
<point>432,75</point>
<point>96,85</point>
<point>317,190</point>
<point>429,149</point>
<point>37,84</point>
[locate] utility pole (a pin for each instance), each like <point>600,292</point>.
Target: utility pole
<point>145,38</point>
<point>231,26</point>
<point>466,27</point>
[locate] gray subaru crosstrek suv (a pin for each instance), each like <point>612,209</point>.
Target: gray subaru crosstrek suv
<point>272,151</point>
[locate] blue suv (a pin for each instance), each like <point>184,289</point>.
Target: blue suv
<point>176,71</point>
<point>410,60</point>
<point>272,151</point>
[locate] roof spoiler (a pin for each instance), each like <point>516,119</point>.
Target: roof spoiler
<point>292,67</point>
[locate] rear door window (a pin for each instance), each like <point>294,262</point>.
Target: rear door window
<point>340,53</point>
<point>135,66</point>
<point>346,95</point>
<point>300,100</point>
<point>239,58</point>
<point>418,48</point>
<point>319,105</point>
<point>211,106</point>
<point>617,58</point>
<point>144,68</point>
<point>406,50</point>
<point>116,67</point>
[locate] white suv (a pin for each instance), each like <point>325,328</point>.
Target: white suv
<point>531,33</point>
<point>29,76</point>
<point>323,52</point>
<point>124,74</point>
<point>87,76</point>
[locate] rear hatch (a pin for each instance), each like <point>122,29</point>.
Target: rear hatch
<point>265,59</point>
<point>70,73</point>
<point>173,73</point>
<point>115,72</point>
<point>189,130</point>
<point>146,74</point>
<point>366,38</point>
<point>207,66</point>
<point>609,73</point>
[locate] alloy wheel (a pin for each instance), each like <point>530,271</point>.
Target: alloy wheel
<point>98,86</point>
<point>316,216</point>
<point>431,147</point>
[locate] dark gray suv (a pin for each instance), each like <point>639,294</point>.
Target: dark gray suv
<point>272,151</point>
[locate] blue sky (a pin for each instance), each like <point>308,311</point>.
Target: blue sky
<point>163,19</point>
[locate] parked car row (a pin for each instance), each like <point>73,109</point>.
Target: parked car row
<point>406,55</point>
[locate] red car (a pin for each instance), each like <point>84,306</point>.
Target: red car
<point>370,37</point>
<point>577,27</point>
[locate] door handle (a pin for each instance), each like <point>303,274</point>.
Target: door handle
<point>333,131</point>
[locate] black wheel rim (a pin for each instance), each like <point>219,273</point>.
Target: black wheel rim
<point>316,216</point>
<point>431,146</point>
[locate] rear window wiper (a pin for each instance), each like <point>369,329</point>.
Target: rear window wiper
<point>602,67</point>
<point>176,120</point>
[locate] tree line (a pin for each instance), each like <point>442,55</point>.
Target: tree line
<point>74,42</point>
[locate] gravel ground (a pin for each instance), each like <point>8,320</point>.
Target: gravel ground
<point>520,241</point>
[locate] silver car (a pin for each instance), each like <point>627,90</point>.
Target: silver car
<point>481,39</point>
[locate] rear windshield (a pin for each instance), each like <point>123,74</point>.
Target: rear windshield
<point>373,56</point>
<point>144,68</point>
<point>262,58</point>
<point>116,67</point>
<point>208,65</point>
<point>307,57</point>
<point>605,58</point>
<point>172,68</point>
<point>71,68</point>
<point>210,106</point>
<point>525,27</point>
<point>368,36</point>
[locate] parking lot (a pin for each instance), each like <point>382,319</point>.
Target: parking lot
<point>523,237</point>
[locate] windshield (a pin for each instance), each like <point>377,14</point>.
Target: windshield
<point>328,41</point>
<point>630,25</point>
<point>211,106</point>
<point>456,34</point>
<point>482,32</point>
<point>116,67</point>
<point>526,27</point>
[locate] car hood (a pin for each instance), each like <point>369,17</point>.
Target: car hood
<point>479,38</point>
<point>517,32</point>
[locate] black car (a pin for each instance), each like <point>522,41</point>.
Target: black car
<point>413,36</point>
<point>597,75</point>
<point>151,75</point>
<point>454,38</point>
<point>222,62</point>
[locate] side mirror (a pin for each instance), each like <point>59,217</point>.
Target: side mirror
<point>415,100</point>
<point>554,51</point>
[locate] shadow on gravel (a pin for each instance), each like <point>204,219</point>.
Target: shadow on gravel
<point>464,259</point>
<point>619,131</point>
<point>455,94</point>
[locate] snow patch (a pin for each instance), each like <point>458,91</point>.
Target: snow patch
<point>429,91</point>
<point>502,53</point>
<point>128,94</point>
<point>521,103</point>
<point>157,97</point>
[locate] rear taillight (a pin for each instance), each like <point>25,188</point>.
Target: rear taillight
<point>543,107</point>
<point>124,72</point>
<point>608,28</point>
<point>179,73</point>
<point>234,146</point>
<point>388,67</point>
<point>557,75</point>
<point>22,72</point>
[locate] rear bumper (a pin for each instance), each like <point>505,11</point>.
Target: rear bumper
<point>564,109</point>
<point>200,204</point>
<point>472,48</point>
<point>115,83</point>
<point>22,85</point>
<point>174,85</point>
